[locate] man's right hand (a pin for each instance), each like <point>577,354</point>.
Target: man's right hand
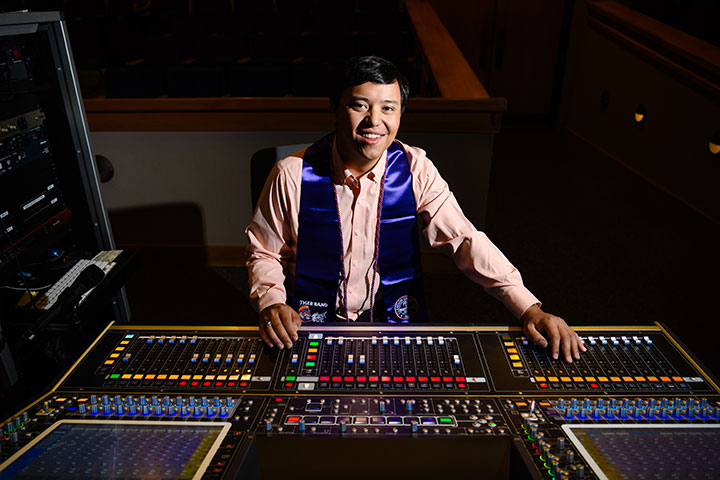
<point>278,325</point>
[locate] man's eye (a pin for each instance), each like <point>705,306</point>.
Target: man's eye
<point>389,108</point>
<point>358,106</point>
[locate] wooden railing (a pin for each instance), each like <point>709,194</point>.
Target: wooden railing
<point>463,104</point>
<point>682,54</point>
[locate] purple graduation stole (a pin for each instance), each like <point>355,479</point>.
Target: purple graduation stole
<point>319,256</point>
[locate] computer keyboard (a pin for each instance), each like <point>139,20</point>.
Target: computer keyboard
<point>103,260</point>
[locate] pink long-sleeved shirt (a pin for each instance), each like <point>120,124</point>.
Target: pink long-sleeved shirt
<point>273,233</point>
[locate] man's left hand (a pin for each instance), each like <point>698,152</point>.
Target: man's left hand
<point>535,321</point>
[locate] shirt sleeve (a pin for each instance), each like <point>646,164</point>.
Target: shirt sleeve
<point>272,237</point>
<point>448,230</point>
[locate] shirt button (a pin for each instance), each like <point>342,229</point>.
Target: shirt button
<point>357,233</point>
<point>349,290</point>
<point>354,264</point>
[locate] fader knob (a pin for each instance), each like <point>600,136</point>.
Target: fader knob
<point>14,437</point>
<point>561,444</point>
<point>166,401</point>
<point>117,400</point>
<point>105,400</point>
<point>178,401</point>
<point>343,426</point>
<point>268,425</point>
<point>25,417</point>
<point>197,411</point>
<point>561,404</point>
<point>204,401</point>
<point>301,425</point>
<point>381,406</point>
<point>216,402</point>
<point>145,410</point>
<point>93,409</point>
<point>157,410</point>
<point>570,457</point>
<point>171,411</point>
<point>191,402</point>
<point>414,426</point>
<point>223,411</point>
<point>579,471</point>
<point>93,399</point>
<point>120,409</point>
<point>81,409</point>
<point>184,412</point>
<point>143,400</point>
<point>132,410</point>
<point>16,421</point>
<point>107,409</point>
<point>554,465</point>
<point>716,412</point>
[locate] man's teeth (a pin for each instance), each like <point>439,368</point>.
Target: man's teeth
<point>370,135</point>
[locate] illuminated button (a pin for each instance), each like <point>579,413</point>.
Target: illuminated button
<point>197,377</point>
<point>336,379</point>
<point>114,376</point>
<point>374,379</point>
<point>434,379</point>
<point>309,364</point>
<point>362,359</point>
<point>512,350</point>
<point>397,379</point>
<point>361,379</point>
<point>445,420</point>
<point>552,379</point>
<point>540,379</point>
<point>627,379</point>
<point>614,379</point>
<point>162,377</point>
<point>324,379</point>
<point>109,362</point>
<point>348,379</point>
<point>543,385</point>
<point>311,357</point>
<point>422,379</point>
<point>252,359</point>
<point>639,379</point>
<point>350,358</point>
<point>652,379</point>
<point>565,379</point>
<point>677,379</point>
<point>314,344</point>
<point>385,379</point>
<point>138,376</point>
<point>665,379</point>
<point>150,376</point>
<point>246,377</point>
<point>312,350</point>
<point>126,376</point>
<point>428,421</point>
<point>602,379</point>
<point>456,359</point>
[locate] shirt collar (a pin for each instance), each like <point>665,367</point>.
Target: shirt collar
<point>342,175</point>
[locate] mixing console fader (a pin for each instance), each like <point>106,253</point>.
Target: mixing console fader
<point>222,405</point>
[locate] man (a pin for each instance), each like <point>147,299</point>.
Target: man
<point>351,235</point>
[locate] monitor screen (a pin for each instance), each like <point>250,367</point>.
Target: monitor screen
<point>649,451</point>
<point>118,449</point>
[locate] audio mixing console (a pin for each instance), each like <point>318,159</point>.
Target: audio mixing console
<point>219,401</point>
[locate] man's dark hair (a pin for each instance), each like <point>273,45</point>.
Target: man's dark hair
<point>369,69</point>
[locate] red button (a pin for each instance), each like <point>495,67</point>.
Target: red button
<point>361,379</point>
<point>231,384</point>
<point>278,399</point>
<point>423,379</point>
<point>447,379</point>
<point>385,379</point>
<point>543,385</point>
<point>218,384</point>
<point>182,383</point>
<point>324,379</point>
<point>462,385</point>
<point>311,357</point>
<point>434,379</point>
<point>459,379</point>
<point>409,379</point>
<point>397,379</point>
<point>207,384</point>
<point>194,384</point>
<point>293,419</point>
<point>349,379</point>
<point>336,379</point>
<point>373,379</point>
<point>288,385</point>
<point>243,384</point>
<point>594,385</point>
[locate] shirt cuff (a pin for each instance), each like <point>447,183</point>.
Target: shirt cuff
<point>518,300</point>
<point>271,297</point>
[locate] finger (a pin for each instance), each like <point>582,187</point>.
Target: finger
<point>281,333</point>
<point>263,333</point>
<point>583,348</point>
<point>534,335</point>
<point>567,343</point>
<point>575,344</point>
<point>272,336</point>
<point>554,335</point>
<point>288,320</point>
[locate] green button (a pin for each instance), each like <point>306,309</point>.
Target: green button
<point>130,335</point>
<point>445,420</point>
<point>314,344</point>
<point>289,379</point>
<point>491,424</point>
<point>115,375</point>
<point>309,364</point>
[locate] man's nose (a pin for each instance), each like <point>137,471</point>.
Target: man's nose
<point>373,116</point>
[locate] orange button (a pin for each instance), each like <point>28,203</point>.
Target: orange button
<point>126,376</point>
<point>109,362</point>
<point>162,377</point>
<point>517,364</point>
<point>627,379</point>
<point>514,357</point>
<point>197,377</point>
<point>552,379</point>
<point>665,379</point>
<point>512,350</point>
<point>174,377</point>
<point>150,376</point>
<point>653,379</point>
<point>577,379</point>
<point>114,355</point>
<point>602,379</point>
<point>509,344</point>
<point>185,377</point>
<point>677,379</point>
<point>540,379</point>
<point>590,379</point>
<point>138,376</point>
<point>639,379</point>
<point>564,379</point>
<point>614,379</point>
<point>124,342</point>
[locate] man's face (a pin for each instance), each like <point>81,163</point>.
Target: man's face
<point>368,117</point>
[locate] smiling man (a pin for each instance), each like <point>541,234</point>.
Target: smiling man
<point>336,225</point>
